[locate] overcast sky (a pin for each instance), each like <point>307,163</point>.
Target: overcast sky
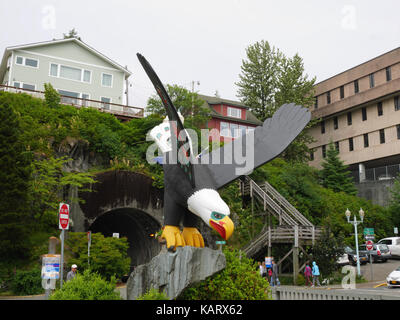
<point>205,41</point>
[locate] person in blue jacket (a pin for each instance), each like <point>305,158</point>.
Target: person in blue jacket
<point>315,274</point>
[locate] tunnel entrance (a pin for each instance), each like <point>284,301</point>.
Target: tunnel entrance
<point>134,224</point>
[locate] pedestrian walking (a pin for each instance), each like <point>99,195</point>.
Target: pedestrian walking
<point>71,274</point>
<point>307,274</point>
<point>315,274</point>
<point>274,277</point>
<point>263,270</point>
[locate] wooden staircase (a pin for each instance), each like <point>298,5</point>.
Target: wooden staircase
<point>293,226</point>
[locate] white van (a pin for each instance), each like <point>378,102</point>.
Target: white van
<point>394,245</point>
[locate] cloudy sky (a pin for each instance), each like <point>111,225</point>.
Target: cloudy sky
<point>205,41</point>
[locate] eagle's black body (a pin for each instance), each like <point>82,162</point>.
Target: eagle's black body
<point>181,181</point>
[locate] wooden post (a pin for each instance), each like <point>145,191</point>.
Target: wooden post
<point>296,254</point>
<point>269,241</point>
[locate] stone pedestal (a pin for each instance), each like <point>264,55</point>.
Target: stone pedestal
<point>172,272</point>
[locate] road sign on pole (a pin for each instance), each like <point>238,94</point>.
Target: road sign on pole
<point>370,245</point>
<point>63,216</point>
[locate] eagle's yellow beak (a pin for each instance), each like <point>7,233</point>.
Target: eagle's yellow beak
<point>224,227</point>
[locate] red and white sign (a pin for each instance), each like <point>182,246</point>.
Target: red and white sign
<point>369,244</point>
<point>63,216</point>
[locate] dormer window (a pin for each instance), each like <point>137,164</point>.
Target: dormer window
<point>234,113</point>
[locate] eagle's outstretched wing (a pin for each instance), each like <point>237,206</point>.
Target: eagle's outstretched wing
<point>176,127</point>
<point>270,140</point>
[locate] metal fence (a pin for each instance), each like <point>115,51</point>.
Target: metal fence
<point>378,173</point>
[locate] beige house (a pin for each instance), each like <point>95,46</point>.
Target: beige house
<point>360,113</point>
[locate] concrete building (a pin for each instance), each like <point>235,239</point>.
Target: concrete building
<point>360,113</point>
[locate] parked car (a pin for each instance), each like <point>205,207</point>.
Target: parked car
<point>379,252</point>
<point>394,245</point>
<point>393,279</point>
<point>352,256</point>
<point>344,259</point>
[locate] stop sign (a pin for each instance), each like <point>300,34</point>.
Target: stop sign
<point>63,216</point>
<point>369,244</point>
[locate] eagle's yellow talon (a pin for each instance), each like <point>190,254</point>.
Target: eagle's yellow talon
<point>193,237</point>
<point>172,235</point>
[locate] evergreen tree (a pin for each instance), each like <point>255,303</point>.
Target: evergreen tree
<point>334,173</point>
<point>14,184</point>
<point>268,80</point>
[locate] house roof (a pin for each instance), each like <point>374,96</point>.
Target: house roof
<point>8,51</point>
<point>210,101</point>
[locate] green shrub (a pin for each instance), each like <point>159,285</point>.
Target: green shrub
<point>153,294</point>
<point>27,282</point>
<point>108,256</point>
<point>240,280</point>
<point>87,286</point>
<point>51,96</point>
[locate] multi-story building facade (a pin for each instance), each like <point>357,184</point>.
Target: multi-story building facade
<point>359,111</point>
<point>82,75</point>
<point>230,118</point>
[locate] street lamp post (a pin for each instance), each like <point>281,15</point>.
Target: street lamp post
<point>355,223</point>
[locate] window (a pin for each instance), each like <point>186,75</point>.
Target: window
<point>26,86</point>
<point>224,129</point>
<point>398,131</point>
<point>85,96</point>
<point>70,73</point>
<point>312,155</point>
<point>54,70</point>
<point>371,80</point>
<point>234,112</point>
<point>351,144</point>
<point>324,151</point>
<point>105,103</point>
<point>382,135</point>
<point>28,62</point>
<point>337,146</point>
<point>356,87</point>
<point>69,97</point>
<point>234,130</point>
<point>341,92</point>
<point>106,80</point>
<point>380,110</point>
<point>328,97</point>
<point>349,119</point>
<point>323,126</point>
<point>335,123</point>
<point>388,73</point>
<point>396,103</point>
<point>364,113</point>
<point>316,103</point>
<point>86,75</point>
<point>366,141</point>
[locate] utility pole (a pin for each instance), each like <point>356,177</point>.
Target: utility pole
<point>127,89</point>
<point>193,83</point>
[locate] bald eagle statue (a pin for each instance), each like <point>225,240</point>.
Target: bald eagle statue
<point>190,188</point>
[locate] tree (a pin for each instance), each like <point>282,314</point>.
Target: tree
<point>394,205</point>
<point>327,251</point>
<point>186,102</point>
<point>72,34</point>
<point>259,78</point>
<point>334,173</point>
<point>268,80</point>
<point>15,173</point>
<point>51,96</point>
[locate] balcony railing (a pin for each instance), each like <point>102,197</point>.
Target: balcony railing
<point>119,110</point>
<point>378,174</point>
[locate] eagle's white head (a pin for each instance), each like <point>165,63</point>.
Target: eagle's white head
<point>208,205</point>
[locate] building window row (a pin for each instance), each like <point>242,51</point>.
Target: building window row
<point>233,130</point>
<point>382,140</point>
<point>27,62</point>
<point>371,77</point>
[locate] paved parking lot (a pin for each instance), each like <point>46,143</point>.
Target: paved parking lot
<point>380,270</point>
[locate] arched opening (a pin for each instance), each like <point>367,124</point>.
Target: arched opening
<point>134,224</point>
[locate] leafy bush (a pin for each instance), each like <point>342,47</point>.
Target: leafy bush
<point>153,294</point>
<point>52,97</point>
<point>108,256</point>
<point>87,286</point>
<point>240,280</point>
<point>27,282</point>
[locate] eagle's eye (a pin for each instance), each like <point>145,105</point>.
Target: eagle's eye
<point>217,216</point>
